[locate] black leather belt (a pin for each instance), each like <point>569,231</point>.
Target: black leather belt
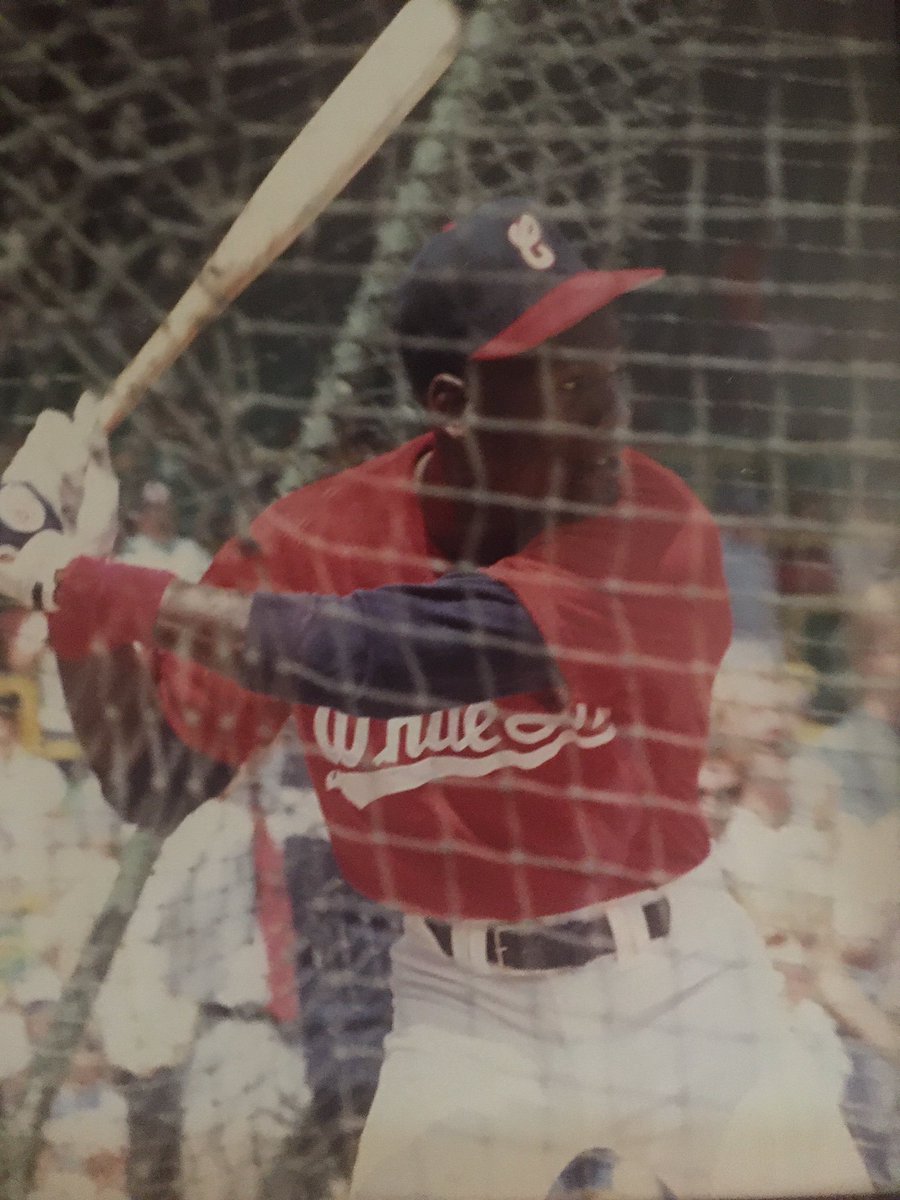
<point>235,1012</point>
<point>550,947</point>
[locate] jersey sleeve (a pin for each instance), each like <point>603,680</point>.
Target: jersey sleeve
<point>209,713</point>
<point>397,650</point>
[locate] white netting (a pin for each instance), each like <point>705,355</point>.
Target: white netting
<point>750,149</point>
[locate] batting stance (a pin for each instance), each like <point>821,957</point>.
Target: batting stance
<point>498,643</point>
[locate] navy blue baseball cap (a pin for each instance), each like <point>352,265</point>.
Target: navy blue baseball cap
<point>500,282</point>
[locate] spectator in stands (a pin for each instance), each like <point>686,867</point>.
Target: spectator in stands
<point>767,863</point>
<point>105,1168</point>
<point>54,1181</point>
<point>83,877</point>
<point>219,938</point>
<point>819,884</point>
<point>807,575</point>
<point>755,848</point>
<point>156,541</point>
<point>345,1002</point>
<point>750,570</point>
<point>720,785</point>
<point>856,767</point>
<point>31,793</point>
<point>867,545</point>
<point>758,708</point>
<point>87,818</point>
<point>742,401</point>
<point>36,994</point>
<point>147,1034</point>
<point>273,1094</point>
<point>15,1050</point>
<point>27,653</point>
<point>87,1126</point>
<point>22,773</point>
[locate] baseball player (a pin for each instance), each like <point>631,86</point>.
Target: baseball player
<point>498,643</point>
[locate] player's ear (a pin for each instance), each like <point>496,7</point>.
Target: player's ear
<point>446,399</point>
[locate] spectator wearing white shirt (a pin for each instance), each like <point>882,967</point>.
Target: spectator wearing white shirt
<point>243,1087</point>
<point>773,868</point>
<point>758,707</point>
<point>856,768</point>
<point>755,848</point>
<point>720,785</point>
<point>147,1035</point>
<point>817,881</point>
<point>156,541</point>
<point>31,793</point>
<point>867,545</point>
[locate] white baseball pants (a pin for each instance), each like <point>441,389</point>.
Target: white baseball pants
<point>676,1054</point>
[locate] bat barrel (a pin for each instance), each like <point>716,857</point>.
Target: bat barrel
<point>400,67</point>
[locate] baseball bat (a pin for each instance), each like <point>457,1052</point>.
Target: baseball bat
<point>398,69</point>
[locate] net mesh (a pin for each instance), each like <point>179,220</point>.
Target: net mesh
<point>750,150</point>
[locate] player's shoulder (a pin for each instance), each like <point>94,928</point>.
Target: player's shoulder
<point>653,486</point>
<point>326,500</point>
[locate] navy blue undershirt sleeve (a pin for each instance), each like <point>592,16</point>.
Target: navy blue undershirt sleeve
<point>396,651</point>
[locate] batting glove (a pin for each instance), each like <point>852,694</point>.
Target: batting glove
<point>28,576</point>
<point>59,499</point>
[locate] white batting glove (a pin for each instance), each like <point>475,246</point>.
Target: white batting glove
<point>28,576</point>
<point>97,520</point>
<point>65,463</point>
<point>59,499</point>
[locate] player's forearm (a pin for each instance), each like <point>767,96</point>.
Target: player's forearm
<point>378,652</point>
<point>381,652</point>
<point>146,773</point>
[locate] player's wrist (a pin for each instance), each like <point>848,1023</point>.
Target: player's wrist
<point>102,605</point>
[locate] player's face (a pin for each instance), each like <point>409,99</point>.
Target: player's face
<point>770,785</point>
<point>719,789</point>
<point>545,424</point>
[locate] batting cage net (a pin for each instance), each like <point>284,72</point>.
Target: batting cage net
<point>194,995</point>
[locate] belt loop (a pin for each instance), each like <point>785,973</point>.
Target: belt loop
<point>629,928</point>
<point>469,945</point>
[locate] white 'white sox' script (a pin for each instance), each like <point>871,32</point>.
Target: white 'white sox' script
<point>462,743</point>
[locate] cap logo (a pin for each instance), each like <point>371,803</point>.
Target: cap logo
<point>526,235</point>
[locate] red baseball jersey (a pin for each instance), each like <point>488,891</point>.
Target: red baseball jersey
<point>527,805</point>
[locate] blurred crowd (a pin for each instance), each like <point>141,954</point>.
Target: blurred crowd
<point>805,817</point>
<point>236,1041</point>
<point>59,846</point>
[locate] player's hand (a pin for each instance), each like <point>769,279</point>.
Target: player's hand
<point>62,479</point>
<point>97,520</point>
<point>28,576</point>
<point>59,499</point>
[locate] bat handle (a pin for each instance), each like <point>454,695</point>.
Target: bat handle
<point>200,304</point>
<point>109,413</point>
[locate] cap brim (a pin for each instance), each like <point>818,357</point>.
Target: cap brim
<point>564,306</point>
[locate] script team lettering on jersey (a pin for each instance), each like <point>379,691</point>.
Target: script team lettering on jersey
<point>373,759</point>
